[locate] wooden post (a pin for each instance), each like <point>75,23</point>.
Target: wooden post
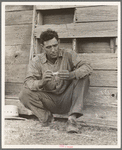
<point>74,45</point>
<point>74,41</point>
<point>33,42</point>
<point>112,45</point>
<point>116,45</point>
<point>39,22</point>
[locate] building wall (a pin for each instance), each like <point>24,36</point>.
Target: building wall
<point>101,104</point>
<point>18,28</point>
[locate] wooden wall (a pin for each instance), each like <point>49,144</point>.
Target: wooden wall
<point>18,29</point>
<point>90,30</point>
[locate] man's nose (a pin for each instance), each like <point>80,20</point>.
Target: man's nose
<point>53,49</point>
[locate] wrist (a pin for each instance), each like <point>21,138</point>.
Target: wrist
<point>72,75</point>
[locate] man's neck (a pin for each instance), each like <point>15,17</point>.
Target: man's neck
<point>51,60</point>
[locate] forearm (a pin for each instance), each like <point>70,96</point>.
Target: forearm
<point>32,84</point>
<point>83,70</point>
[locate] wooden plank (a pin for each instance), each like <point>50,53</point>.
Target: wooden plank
<point>81,30</point>
<point>17,18</point>
<point>58,17</point>
<point>97,96</point>
<point>101,96</point>
<point>103,78</point>
<point>18,34</point>
<point>99,116</point>
<point>47,7</point>
<point>15,72</point>
<point>100,61</point>
<point>94,45</point>
<point>13,89</point>
<point>99,13</point>
<point>18,7</point>
<point>65,43</point>
<point>112,45</point>
<point>18,54</point>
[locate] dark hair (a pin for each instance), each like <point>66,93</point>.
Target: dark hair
<point>48,35</point>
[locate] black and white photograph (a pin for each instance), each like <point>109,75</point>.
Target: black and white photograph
<point>61,74</point>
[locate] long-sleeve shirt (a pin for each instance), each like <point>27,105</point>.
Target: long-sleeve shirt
<point>67,60</point>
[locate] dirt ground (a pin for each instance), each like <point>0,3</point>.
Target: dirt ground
<point>30,132</point>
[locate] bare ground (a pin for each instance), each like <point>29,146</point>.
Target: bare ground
<point>30,132</point>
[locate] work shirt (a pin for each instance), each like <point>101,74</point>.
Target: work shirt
<point>67,60</point>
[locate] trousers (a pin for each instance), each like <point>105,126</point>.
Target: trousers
<point>44,104</point>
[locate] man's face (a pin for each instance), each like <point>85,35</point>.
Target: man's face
<point>51,48</point>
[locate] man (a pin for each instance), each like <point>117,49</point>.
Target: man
<point>57,81</point>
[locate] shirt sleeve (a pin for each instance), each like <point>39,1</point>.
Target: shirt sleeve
<point>33,76</point>
<point>81,68</point>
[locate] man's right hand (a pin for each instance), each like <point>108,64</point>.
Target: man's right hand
<point>47,76</point>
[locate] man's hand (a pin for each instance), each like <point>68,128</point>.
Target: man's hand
<point>64,74</point>
<point>47,76</point>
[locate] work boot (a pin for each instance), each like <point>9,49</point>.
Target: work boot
<point>72,126</point>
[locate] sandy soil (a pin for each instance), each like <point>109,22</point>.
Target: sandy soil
<point>30,132</point>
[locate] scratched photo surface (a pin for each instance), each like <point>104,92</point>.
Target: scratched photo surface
<point>90,33</point>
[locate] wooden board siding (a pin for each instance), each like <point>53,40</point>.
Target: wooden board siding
<point>18,34</point>
<point>81,30</point>
<point>90,30</point>
<point>17,54</point>
<point>17,72</point>
<point>93,115</point>
<point>18,7</point>
<point>94,45</point>
<point>97,96</point>
<point>12,18</point>
<point>58,16</point>
<point>18,29</point>
<point>89,14</point>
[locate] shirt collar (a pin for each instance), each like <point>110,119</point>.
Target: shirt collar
<point>44,58</point>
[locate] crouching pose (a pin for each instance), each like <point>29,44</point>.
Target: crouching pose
<point>57,82</point>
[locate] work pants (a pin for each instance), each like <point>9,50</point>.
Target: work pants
<point>44,104</point>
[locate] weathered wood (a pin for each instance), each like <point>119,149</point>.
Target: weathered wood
<point>12,89</point>
<point>18,34</point>
<point>87,121</point>
<point>100,61</point>
<point>99,13</point>
<point>15,72</point>
<point>81,30</point>
<point>58,17</point>
<point>18,7</point>
<point>33,39</point>
<point>100,116</point>
<point>18,54</point>
<point>97,96</point>
<point>47,7</point>
<point>112,45</point>
<point>65,43</point>
<point>94,45</point>
<point>17,18</point>
<point>104,78</point>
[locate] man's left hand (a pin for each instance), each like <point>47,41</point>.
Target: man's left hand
<point>64,74</point>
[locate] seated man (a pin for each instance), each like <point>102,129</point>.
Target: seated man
<point>57,82</point>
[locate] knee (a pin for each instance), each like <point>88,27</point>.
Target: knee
<point>23,96</point>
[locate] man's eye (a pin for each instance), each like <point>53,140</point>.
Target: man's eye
<point>55,45</point>
<point>48,47</point>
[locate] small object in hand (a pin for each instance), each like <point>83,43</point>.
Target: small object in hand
<point>55,73</point>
